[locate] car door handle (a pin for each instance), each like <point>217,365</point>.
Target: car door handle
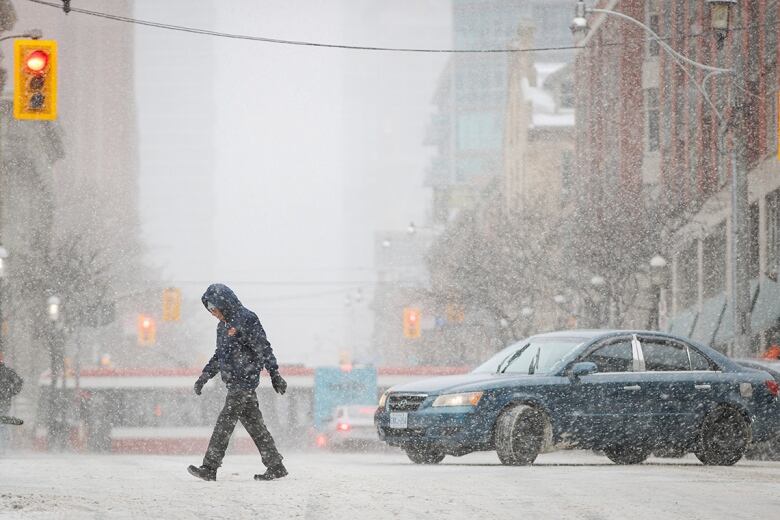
<point>632,388</point>
<point>702,387</point>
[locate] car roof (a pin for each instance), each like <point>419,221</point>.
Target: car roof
<point>590,334</point>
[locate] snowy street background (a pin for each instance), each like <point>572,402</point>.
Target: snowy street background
<point>385,485</point>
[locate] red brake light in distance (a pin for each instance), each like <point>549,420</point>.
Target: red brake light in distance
<point>773,387</point>
<point>343,427</point>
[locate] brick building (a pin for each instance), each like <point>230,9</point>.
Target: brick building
<point>644,129</point>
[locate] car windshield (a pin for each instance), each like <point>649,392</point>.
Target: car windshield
<point>531,356</point>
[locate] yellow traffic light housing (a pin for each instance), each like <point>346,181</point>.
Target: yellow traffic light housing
<point>147,330</point>
<point>171,304</point>
<point>35,79</point>
<point>411,323</point>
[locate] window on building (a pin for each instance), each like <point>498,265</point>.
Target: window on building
<point>714,262</point>
<point>754,268</point>
<point>773,231</point>
<point>654,22</point>
<point>688,275</point>
<point>653,127</point>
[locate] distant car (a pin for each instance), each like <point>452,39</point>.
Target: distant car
<point>770,449</point>
<point>351,426</point>
<point>626,393</point>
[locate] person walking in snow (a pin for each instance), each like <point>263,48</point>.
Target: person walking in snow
<point>242,352</point>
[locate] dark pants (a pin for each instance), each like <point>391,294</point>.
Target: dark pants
<point>241,406</point>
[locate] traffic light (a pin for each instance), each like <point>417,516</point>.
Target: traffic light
<point>411,322</point>
<point>35,79</point>
<point>147,330</point>
<point>171,304</point>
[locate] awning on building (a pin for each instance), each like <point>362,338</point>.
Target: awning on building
<point>766,311</point>
<point>683,323</point>
<point>709,319</point>
<point>726,330</point>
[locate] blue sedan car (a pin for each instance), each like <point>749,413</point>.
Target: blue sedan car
<point>626,393</point>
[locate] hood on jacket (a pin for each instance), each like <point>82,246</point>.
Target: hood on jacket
<point>223,298</point>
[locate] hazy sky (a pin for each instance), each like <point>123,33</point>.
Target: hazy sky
<point>311,151</point>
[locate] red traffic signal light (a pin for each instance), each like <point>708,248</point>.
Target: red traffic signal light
<point>35,79</point>
<point>412,322</point>
<point>36,61</point>
<point>147,330</point>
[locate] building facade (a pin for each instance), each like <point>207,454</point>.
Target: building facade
<point>644,128</point>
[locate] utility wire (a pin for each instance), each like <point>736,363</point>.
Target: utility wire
<point>279,41</point>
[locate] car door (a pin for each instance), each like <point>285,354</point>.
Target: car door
<point>601,402</point>
<point>674,394</point>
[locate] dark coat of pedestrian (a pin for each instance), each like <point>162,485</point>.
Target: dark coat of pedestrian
<point>242,352</point>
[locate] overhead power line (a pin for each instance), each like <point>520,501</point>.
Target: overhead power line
<point>279,41</point>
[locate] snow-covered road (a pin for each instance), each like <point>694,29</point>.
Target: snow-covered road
<point>385,485</point>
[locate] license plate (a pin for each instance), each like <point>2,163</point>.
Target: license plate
<point>399,420</point>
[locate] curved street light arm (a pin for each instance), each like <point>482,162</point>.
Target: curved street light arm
<point>34,34</point>
<point>678,58</point>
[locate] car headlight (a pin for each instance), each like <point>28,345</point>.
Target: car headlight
<point>383,399</point>
<point>467,399</point>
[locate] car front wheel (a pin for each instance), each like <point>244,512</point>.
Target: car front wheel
<point>424,455</point>
<point>627,454</point>
<point>725,435</point>
<point>519,435</point>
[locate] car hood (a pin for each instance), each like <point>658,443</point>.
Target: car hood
<point>468,383</point>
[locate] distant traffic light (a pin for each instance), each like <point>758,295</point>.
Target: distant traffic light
<point>171,304</point>
<point>147,330</point>
<point>35,79</point>
<point>411,322</point>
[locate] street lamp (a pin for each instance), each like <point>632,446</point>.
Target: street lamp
<point>657,281</point>
<point>33,34</point>
<point>54,308</point>
<point>411,229</point>
<point>386,243</point>
<point>3,256</point>
<point>720,12</point>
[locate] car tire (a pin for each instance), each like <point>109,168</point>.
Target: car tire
<point>626,455</point>
<point>425,455</point>
<point>519,435</point>
<point>724,437</point>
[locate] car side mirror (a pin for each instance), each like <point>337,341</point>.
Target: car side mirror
<point>583,368</point>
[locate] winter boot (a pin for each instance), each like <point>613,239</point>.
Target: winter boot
<point>203,472</point>
<point>272,473</point>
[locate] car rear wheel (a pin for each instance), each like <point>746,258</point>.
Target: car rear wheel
<point>519,435</point>
<point>627,454</point>
<point>425,455</point>
<point>725,435</point>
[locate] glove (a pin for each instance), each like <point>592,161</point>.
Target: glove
<point>278,382</point>
<point>199,385</point>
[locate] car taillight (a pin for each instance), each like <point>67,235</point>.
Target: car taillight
<point>342,427</point>
<point>321,441</point>
<point>773,387</point>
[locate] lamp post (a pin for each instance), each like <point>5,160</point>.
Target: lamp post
<point>720,21</point>
<point>3,256</point>
<point>657,282</point>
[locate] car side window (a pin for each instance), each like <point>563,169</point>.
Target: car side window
<point>665,356</point>
<point>698,361</point>
<point>613,357</point>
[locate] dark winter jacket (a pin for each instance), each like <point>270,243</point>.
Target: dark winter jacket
<point>10,382</point>
<point>241,357</point>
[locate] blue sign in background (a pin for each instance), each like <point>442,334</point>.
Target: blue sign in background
<point>336,387</point>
